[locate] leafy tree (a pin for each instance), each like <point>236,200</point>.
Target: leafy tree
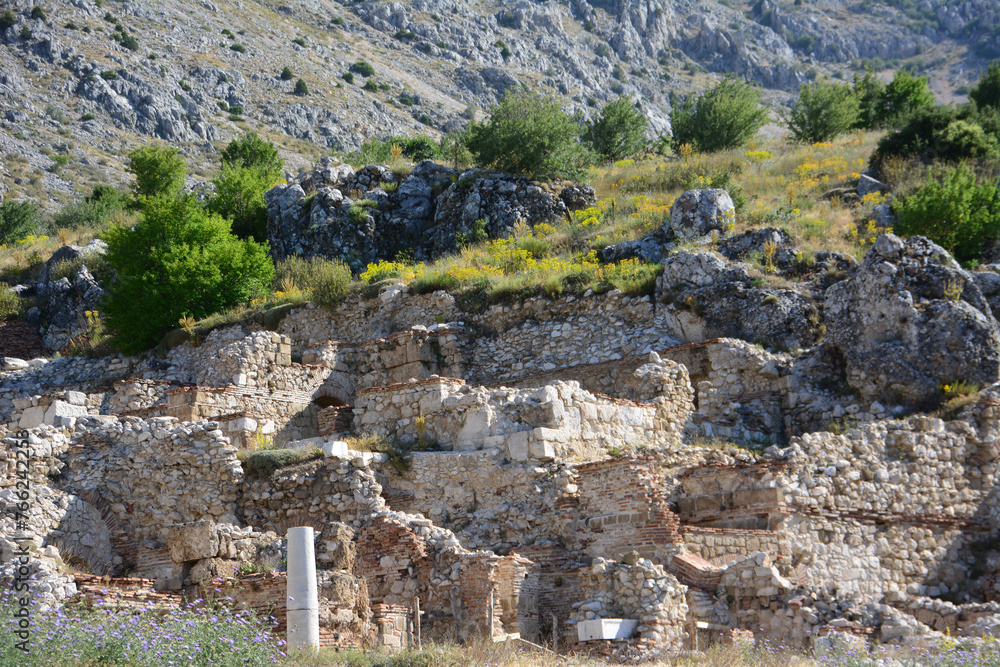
<point>726,116</point>
<point>902,96</point>
<point>239,196</point>
<point>286,74</point>
<point>301,88</point>
<point>987,91</point>
<point>251,151</point>
<point>158,171</point>
<point>958,212</point>
<point>179,259</point>
<point>17,220</point>
<point>869,90</point>
<point>822,112</point>
<point>528,134</point>
<point>618,131</point>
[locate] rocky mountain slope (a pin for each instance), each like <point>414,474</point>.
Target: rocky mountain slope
<point>82,82</point>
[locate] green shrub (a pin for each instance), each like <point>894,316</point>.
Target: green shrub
<point>228,33</point>
<point>942,133</point>
<point>92,212</point>
<point>528,134</point>
<point>236,109</point>
<point>349,77</point>
<point>239,197</point>
<point>727,116</point>
<point>960,212</point>
<point>618,131</point>
<point>902,96</point>
<point>252,151</point>
<point>379,151</point>
<point>987,91</point>
<point>25,33</point>
<point>17,220</point>
<point>87,116</point>
<point>301,88</point>
<point>7,19</point>
<point>238,48</point>
<point>823,111</point>
<point>38,13</point>
<point>325,281</point>
<point>363,68</point>
<point>179,259</point>
<point>299,41</point>
<point>158,170</point>
<point>336,20</point>
<point>262,464</point>
<point>12,306</point>
<point>71,26</point>
<point>109,75</point>
<point>286,74</point>
<point>371,86</point>
<point>126,40</point>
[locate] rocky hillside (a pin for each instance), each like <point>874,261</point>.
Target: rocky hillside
<point>82,82</point>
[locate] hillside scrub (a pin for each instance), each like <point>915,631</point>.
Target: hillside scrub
<point>178,260</point>
<point>823,111</point>
<point>159,171</point>
<point>726,116</point>
<point>959,211</point>
<point>531,135</point>
<point>618,131</point>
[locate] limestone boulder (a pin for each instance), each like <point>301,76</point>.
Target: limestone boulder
<point>198,540</point>
<point>754,244</point>
<point>697,213</point>
<point>910,320</point>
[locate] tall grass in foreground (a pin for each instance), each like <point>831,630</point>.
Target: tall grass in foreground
<point>192,636</point>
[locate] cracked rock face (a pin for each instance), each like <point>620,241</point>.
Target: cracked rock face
<point>910,320</point>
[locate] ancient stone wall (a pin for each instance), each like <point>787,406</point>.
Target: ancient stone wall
<point>555,420</point>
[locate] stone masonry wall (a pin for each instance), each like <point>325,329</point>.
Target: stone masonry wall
<point>555,420</point>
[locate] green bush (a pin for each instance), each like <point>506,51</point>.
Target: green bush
<point>238,48</point>
<point>301,88</point>
<point>17,220</point>
<point>727,116</point>
<point>25,33</point>
<point>618,131</point>
<point>942,133</point>
<point>93,211</point>
<point>126,40</point>
<point>71,26</point>
<point>109,75</point>
<point>286,74</point>
<point>38,13</point>
<point>12,306</point>
<point>903,95</point>
<point>371,86</point>
<point>363,68</point>
<point>987,91</point>
<point>158,170</point>
<point>379,151</point>
<point>96,264</point>
<point>239,197</point>
<point>349,77</point>
<point>960,212</point>
<point>823,111</point>
<point>87,116</point>
<point>528,134</point>
<point>251,151</point>
<point>7,19</point>
<point>179,259</point>
<point>325,281</point>
<point>300,41</point>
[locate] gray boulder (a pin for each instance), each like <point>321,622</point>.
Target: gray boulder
<point>66,308</point>
<point>68,253</point>
<point>697,213</point>
<point>910,320</point>
<point>868,185</point>
<point>753,243</point>
<point>577,197</point>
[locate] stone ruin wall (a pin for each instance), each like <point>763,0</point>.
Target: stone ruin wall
<point>558,420</point>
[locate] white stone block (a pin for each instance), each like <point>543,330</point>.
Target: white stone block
<point>517,446</point>
<point>606,628</point>
<point>63,409</point>
<point>336,448</point>
<point>76,398</point>
<point>32,417</point>
<point>13,364</point>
